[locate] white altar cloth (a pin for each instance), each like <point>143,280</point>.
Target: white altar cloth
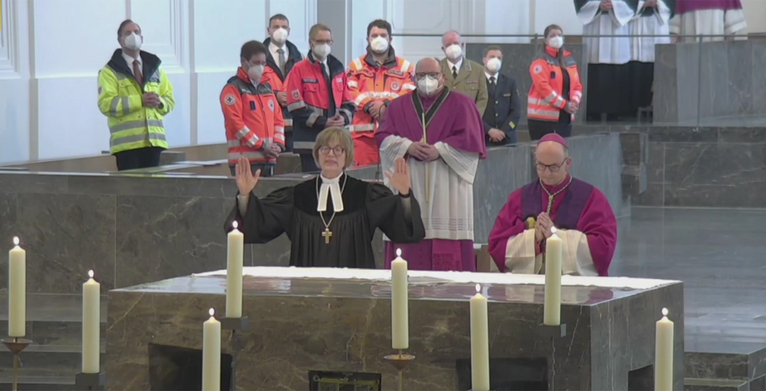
<point>432,277</point>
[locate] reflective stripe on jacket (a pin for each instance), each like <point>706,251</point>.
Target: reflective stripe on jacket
<point>253,119</point>
<point>545,100</point>
<point>308,99</point>
<point>131,125</point>
<point>369,82</point>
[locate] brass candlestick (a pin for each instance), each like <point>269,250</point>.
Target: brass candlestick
<point>16,345</point>
<point>400,361</point>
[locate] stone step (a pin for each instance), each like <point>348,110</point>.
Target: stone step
<point>38,383</point>
<point>697,384</point>
<point>728,360</point>
<point>52,359</point>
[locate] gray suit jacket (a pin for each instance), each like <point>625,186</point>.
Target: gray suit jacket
<point>470,81</point>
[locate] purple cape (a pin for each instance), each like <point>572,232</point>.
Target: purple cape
<point>684,6</point>
<point>457,123</point>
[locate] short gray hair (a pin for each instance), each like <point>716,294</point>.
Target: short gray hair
<point>342,136</point>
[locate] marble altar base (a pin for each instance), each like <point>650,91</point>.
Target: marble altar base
<point>313,320</point>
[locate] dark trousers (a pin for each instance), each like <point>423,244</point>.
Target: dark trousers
<point>138,158</point>
<point>289,141</point>
<point>538,129</point>
<point>267,169</point>
<point>307,163</point>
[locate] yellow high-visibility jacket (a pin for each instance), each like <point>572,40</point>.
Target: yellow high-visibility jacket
<point>131,125</point>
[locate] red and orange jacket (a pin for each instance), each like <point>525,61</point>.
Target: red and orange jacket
<point>253,119</point>
<point>369,81</point>
<point>546,96</point>
<point>308,99</point>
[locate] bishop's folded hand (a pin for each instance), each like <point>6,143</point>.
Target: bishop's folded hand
<point>400,178</point>
<point>246,181</point>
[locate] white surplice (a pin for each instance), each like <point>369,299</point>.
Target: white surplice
<point>576,259</point>
<point>708,22</point>
<point>606,50</point>
<point>447,213</point>
<point>658,23</point>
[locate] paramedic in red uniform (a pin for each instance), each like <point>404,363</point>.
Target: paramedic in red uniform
<point>313,105</point>
<point>374,80</point>
<point>253,118</point>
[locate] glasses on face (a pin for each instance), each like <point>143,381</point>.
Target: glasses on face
<point>551,167</point>
<point>335,150</point>
<point>421,76</point>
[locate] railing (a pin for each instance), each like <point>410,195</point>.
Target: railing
<point>709,90</point>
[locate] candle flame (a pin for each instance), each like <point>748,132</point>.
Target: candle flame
<point>553,230</point>
<point>664,312</point>
<point>235,224</point>
<point>90,273</point>
<point>478,288</point>
<point>399,252</point>
<point>15,240</point>
<point>211,312</point>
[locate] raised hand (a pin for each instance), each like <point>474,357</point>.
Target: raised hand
<point>400,178</point>
<point>246,181</point>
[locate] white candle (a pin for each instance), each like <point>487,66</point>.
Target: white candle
<point>91,325</point>
<point>235,257</point>
<point>553,253</point>
<point>211,354</point>
<point>663,354</point>
<point>17,291</point>
<point>400,332</point>
<point>479,342</point>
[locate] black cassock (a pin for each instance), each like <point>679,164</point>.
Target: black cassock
<point>293,210</point>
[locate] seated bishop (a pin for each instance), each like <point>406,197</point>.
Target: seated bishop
<point>580,213</point>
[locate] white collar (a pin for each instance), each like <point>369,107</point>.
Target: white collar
<point>331,186</point>
<point>129,60</point>
<point>497,76</point>
<point>458,64</point>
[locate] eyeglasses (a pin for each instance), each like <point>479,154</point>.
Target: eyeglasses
<point>551,167</point>
<point>336,150</point>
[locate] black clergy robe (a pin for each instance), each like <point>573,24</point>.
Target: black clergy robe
<point>293,211</point>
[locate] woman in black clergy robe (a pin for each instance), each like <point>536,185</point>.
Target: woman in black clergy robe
<point>330,220</point>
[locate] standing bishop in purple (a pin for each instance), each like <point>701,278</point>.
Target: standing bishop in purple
<point>580,213</point>
<point>707,17</point>
<point>441,134</point>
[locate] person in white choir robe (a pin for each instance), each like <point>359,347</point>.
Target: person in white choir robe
<point>707,17</point>
<point>652,19</point>
<point>580,212</point>
<point>441,134</point>
<point>607,56</point>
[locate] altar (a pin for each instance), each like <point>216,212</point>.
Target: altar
<point>311,325</point>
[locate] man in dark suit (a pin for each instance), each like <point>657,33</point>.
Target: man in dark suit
<point>504,106</point>
<point>283,56</point>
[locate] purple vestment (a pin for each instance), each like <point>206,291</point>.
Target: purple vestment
<point>453,119</point>
<point>684,6</point>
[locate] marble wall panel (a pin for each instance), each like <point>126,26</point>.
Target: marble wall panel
<point>758,50</point>
<point>8,229</point>
<point>66,235</point>
<point>517,57</point>
<point>714,87</point>
<point>164,237</point>
<point>665,103</point>
<point>598,160</point>
<point>156,185</point>
<point>739,79</point>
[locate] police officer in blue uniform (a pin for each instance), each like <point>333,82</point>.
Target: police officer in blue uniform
<point>504,106</point>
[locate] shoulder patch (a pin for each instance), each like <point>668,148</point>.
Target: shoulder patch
<point>230,99</point>
<point>395,86</point>
<point>538,69</point>
<point>296,95</point>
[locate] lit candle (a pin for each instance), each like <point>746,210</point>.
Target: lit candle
<point>235,256</point>
<point>553,252</point>
<point>211,354</point>
<point>17,291</point>
<point>91,325</point>
<point>400,333</point>
<point>663,354</point>
<point>479,342</point>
